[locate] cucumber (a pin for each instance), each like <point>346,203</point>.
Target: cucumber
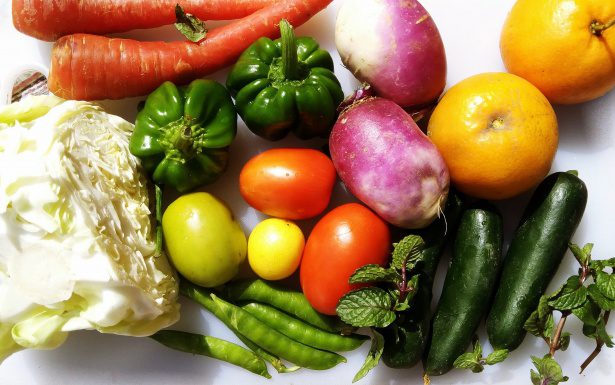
<point>405,340</point>
<point>535,252</point>
<point>468,287</point>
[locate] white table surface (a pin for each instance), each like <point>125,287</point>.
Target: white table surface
<point>470,30</point>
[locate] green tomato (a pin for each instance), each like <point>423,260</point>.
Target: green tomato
<point>274,248</point>
<point>204,242</point>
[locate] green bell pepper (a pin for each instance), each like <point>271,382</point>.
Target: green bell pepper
<point>182,134</point>
<point>286,85</point>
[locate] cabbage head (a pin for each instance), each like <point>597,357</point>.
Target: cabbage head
<point>77,246</point>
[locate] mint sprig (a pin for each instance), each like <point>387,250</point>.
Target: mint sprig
<point>591,303</point>
<point>475,361</point>
<point>376,306</point>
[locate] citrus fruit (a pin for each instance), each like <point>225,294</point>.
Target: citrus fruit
<point>275,247</point>
<point>497,134</point>
<point>566,48</point>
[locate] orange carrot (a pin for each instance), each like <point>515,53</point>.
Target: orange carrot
<point>91,67</point>
<point>50,19</point>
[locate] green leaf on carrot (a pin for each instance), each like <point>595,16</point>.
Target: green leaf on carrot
<point>190,26</point>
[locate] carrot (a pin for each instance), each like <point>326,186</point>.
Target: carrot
<point>50,19</point>
<point>91,67</point>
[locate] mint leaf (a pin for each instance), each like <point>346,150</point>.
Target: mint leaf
<point>596,295</point>
<point>408,250</point>
<point>373,356</point>
<point>564,341</point>
<point>606,284</point>
<point>369,306</point>
<point>373,273</point>
<point>570,300</point>
<point>601,264</point>
<point>189,26</point>
<point>549,372</point>
<point>533,325</point>
<point>602,335</point>
<point>549,327</point>
<point>588,313</point>
<point>540,323</point>
<point>496,357</point>
<point>543,308</point>
<point>478,349</point>
<point>468,361</point>
<point>582,255</point>
<point>571,285</point>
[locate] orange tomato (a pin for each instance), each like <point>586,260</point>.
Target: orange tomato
<point>289,183</point>
<point>566,48</point>
<point>497,134</point>
<point>345,239</point>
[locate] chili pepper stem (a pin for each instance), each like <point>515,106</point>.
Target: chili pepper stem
<point>289,51</point>
<point>597,28</point>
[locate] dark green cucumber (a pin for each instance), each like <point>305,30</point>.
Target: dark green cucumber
<point>468,287</point>
<point>535,252</point>
<point>405,340</point>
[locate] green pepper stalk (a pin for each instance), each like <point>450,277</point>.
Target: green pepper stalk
<point>286,85</point>
<point>182,134</point>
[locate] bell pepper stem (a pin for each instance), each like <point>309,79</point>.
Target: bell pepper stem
<point>158,195</point>
<point>598,28</point>
<point>289,51</point>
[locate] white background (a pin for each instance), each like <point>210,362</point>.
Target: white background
<point>470,30</point>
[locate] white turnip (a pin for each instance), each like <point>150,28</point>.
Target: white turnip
<point>387,162</point>
<point>395,46</point>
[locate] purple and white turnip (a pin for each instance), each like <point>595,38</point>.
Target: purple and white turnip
<point>395,46</point>
<point>387,162</point>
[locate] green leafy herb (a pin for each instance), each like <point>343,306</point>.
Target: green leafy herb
<point>548,371</point>
<point>475,360</point>
<point>591,304</point>
<point>570,300</point>
<point>606,284</point>
<point>368,306</point>
<point>373,273</point>
<point>408,250</point>
<point>190,26</point>
<point>373,356</point>
<point>376,306</point>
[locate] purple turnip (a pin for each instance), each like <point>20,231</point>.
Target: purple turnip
<point>395,46</point>
<point>387,162</point>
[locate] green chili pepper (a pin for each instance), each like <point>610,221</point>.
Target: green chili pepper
<point>286,85</point>
<point>214,348</point>
<point>182,134</point>
<point>303,332</point>
<point>289,301</point>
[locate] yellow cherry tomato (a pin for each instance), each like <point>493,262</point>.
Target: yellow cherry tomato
<point>274,248</point>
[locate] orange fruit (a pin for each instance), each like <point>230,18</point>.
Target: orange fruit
<point>497,134</point>
<point>566,48</point>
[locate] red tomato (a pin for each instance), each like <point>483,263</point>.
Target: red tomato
<point>345,239</point>
<point>289,183</point>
